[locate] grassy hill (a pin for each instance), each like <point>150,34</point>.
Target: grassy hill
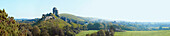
<point>51,22</point>
<point>70,16</point>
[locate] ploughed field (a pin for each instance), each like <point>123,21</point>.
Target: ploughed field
<point>132,33</point>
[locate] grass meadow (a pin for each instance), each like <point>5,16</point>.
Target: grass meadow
<point>83,33</point>
<point>144,33</point>
<point>132,33</point>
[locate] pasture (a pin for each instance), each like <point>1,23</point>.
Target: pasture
<point>83,33</point>
<point>144,33</point>
<point>132,33</point>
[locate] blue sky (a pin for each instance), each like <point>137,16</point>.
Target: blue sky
<point>127,10</point>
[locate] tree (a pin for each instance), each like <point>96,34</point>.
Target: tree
<point>3,10</point>
<point>87,34</point>
<point>36,31</point>
<point>56,31</point>
<point>160,27</point>
<point>107,33</point>
<point>95,26</point>
<point>85,27</point>
<point>11,20</point>
<point>112,28</point>
<point>112,32</point>
<point>8,26</point>
<point>60,32</point>
<point>98,26</point>
<point>44,32</point>
<point>29,33</point>
<point>90,26</point>
<point>101,33</point>
<point>105,26</point>
<point>94,34</point>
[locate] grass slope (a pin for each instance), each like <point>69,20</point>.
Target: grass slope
<point>83,33</point>
<point>51,22</point>
<point>70,16</point>
<point>144,33</point>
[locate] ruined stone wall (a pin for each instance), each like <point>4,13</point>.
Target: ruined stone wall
<point>50,16</point>
<point>55,11</point>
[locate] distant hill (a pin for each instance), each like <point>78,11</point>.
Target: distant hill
<point>72,17</point>
<point>80,19</point>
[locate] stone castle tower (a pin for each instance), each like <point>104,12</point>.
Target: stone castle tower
<point>55,11</point>
<point>50,16</point>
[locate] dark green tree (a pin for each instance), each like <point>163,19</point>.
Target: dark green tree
<point>44,32</point>
<point>107,33</point>
<point>101,33</point>
<point>112,28</point>
<point>90,26</point>
<point>36,31</point>
<point>85,27</point>
<point>56,31</point>
<point>60,32</point>
<point>94,34</point>
<point>87,34</point>
<point>112,32</point>
<point>160,27</point>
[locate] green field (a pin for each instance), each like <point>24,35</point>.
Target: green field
<point>83,33</point>
<point>133,33</point>
<point>144,33</point>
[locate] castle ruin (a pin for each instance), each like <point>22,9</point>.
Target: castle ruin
<point>55,11</point>
<point>50,15</point>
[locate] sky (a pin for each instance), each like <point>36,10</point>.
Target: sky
<point>126,10</point>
